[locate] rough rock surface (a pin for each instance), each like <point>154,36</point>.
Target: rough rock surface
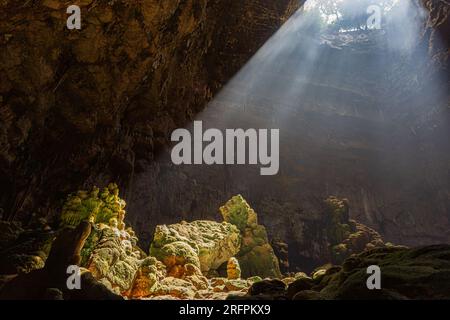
<point>206,244</point>
<point>95,206</point>
<point>346,236</point>
<point>233,269</point>
<point>50,281</point>
<point>256,256</point>
<point>405,274</point>
<point>149,274</point>
<point>24,249</point>
<point>113,261</point>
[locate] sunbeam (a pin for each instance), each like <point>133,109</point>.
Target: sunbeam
<point>333,86</point>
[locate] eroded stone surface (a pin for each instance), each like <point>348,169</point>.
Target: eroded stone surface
<point>206,244</point>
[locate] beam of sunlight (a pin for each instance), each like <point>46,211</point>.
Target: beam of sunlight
<point>348,101</point>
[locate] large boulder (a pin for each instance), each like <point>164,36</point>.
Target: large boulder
<point>256,256</point>
<point>205,244</point>
<point>419,273</point>
<point>113,260</point>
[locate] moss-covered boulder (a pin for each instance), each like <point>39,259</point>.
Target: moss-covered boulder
<point>268,288</point>
<point>97,206</point>
<point>175,255</point>
<point>238,212</point>
<point>256,256</point>
<point>112,259</point>
<point>205,244</point>
<point>419,273</point>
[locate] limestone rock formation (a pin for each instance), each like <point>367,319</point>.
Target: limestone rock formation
<point>205,244</point>
<point>406,274</point>
<point>345,235</point>
<point>113,260</point>
<point>147,277</point>
<point>256,256</point>
<point>94,206</point>
<point>233,269</point>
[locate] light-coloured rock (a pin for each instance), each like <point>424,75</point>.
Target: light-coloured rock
<point>150,272</point>
<point>205,244</point>
<point>256,256</point>
<point>99,206</point>
<point>237,285</point>
<point>233,269</point>
<point>175,287</point>
<point>111,256</point>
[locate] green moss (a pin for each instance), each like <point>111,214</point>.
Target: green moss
<point>89,245</point>
<point>339,227</point>
<point>95,206</point>
<point>238,212</point>
<point>213,243</point>
<point>261,261</point>
<point>339,252</point>
<point>256,255</point>
<point>175,253</point>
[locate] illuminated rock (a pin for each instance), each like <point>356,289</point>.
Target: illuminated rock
<point>205,244</point>
<point>111,258</point>
<point>149,274</point>
<point>233,269</point>
<point>97,206</point>
<point>256,256</point>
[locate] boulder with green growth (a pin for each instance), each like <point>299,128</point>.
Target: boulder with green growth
<point>111,257</point>
<point>256,256</point>
<point>346,236</point>
<point>205,244</point>
<point>97,206</point>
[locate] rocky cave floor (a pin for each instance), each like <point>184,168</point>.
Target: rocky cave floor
<point>232,259</point>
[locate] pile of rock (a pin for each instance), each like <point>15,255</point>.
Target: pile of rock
<point>420,273</point>
<point>346,236</point>
<point>180,255</point>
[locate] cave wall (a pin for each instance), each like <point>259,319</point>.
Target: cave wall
<point>82,107</point>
